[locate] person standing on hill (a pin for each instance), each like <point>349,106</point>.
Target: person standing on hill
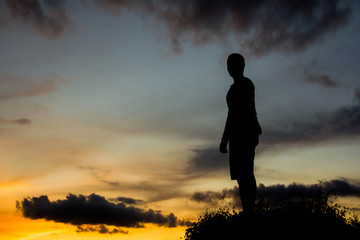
<point>242,131</point>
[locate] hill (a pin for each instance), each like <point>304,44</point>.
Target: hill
<point>310,218</point>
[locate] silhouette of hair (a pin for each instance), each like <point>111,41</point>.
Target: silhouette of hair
<point>235,64</point>
<point>236,59</point>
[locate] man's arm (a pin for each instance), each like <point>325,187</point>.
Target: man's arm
<point>225,137</point>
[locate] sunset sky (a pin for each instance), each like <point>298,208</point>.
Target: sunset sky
<point>118,107</point>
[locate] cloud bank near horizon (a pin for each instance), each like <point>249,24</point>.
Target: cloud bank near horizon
<point>95,213</point>
<point>281,192</point>
<point>94,210</point>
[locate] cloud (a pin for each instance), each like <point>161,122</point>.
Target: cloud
<point>205,161</point>
<point>117,6</point>
<point>212,196</point>
<point>337,187</point>
<point>357,95</point>
<point>342,123</point>
<point>321,79</point>
<point>100,229</point>
<point>19,121</point>
<point>308,72</point>
<point>22,121</point>
<point>280,192</point>
<point>93,210</point>
<point>48,17</point>
<point>167,184</point>
<point>259,26</point>
<point>127,200</point>
<point>17,87</point>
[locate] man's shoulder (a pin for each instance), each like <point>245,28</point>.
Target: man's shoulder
<point>248,80</point>
<point>244,83</point>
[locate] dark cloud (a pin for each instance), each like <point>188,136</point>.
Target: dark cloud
<point>117,6</point>
<point>280,192</point>
<point>19,121</point>
<point>213,197</point>
<point>100,229</point>
<point>260,26</point>
<point>322,79</point>
<point>93,210</point>
<point>342,123</point>
<point>338,187</point>
<point>127,200</point>
<point>206,161</point>
<point>48,17</point>
<point>308,72</point>
<point>357,95</point>
<point>22,121</point>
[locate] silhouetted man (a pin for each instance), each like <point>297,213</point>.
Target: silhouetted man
<point>242,131</point>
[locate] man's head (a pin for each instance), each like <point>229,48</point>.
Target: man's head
<point>235,65</point>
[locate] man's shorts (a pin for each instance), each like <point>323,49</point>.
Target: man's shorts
<point>241,156</point>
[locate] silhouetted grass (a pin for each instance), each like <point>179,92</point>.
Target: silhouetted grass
<point>310,218</point>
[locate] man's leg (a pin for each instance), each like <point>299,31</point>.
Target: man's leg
<point>247,181</point>
<point>247,189</point>
<point>242,155</point>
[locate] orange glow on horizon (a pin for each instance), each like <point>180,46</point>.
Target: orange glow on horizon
<point>15,227</point>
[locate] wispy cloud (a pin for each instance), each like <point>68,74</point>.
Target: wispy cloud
<point>47,17</point>
<point>321,79</point>
<point>341,123</point>
<point>13,86</point>
<point>259,26</point>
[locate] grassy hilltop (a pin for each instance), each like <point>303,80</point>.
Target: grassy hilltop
<point>307,218</point>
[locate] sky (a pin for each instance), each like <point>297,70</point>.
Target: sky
<point>111,112</point>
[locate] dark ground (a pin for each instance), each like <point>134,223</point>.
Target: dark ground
<point>307,218</point>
